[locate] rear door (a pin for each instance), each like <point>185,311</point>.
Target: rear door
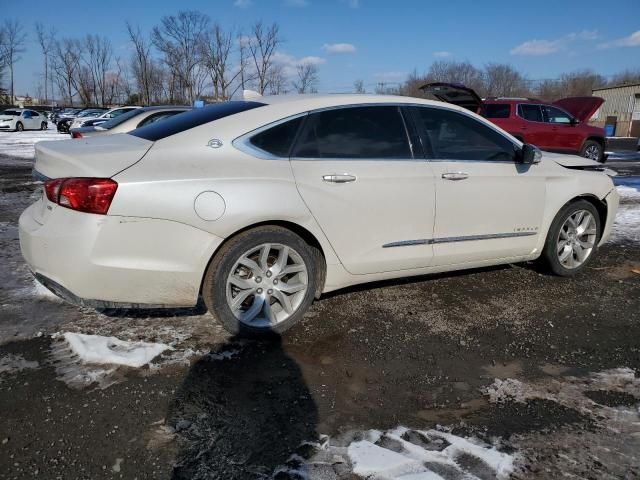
<point>488,207</point>
<point>371,193</point>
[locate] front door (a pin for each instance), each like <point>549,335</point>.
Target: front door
<point>374,199</point>
<point>488,206</point>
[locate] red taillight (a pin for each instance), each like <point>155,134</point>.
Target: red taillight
<point>76,135</point>
<point>91,195</point>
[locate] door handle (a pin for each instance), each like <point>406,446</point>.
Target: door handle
<point>339,178</point>
<point>455,176</point>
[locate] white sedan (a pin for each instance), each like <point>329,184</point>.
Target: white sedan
<point>20,119</point>
<point>261,206</point>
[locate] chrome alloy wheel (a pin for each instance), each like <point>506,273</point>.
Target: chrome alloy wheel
<point>592,152</point>
<point>266,285</point>
<point>576,239</point>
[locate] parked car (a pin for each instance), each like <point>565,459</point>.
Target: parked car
<point>558,127</point>
<point>64,123</point>
<point>261,206</point>
<point>98,118</point>
<point>131,120</point>
<point>20,119</point>
<point>64,113</point>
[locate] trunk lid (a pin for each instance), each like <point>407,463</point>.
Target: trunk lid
<point>581,108</point>
<point>455,93</point>
<point>102,156</point>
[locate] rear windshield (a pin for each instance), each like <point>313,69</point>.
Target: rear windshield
<point>114,122</point>
<point>14,113</point>
<point>194,118</point>
<point>496,110</point>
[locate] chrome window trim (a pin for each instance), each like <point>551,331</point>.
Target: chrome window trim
<point>243,143</point>
<point>464,238</point>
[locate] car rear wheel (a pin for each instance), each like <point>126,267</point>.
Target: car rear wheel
<point>19,127</point>
<point>261,281</point>
<point>572,239</point>
<point>592,150</point>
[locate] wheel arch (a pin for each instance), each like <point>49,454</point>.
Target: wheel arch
<point>600,206</point>
<point>299,230</point>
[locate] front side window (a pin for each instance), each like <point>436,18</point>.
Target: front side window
<point>496,110</point>
<point>555,115</point>
<point>278,140</point>
<point>533,113</point>
<point>455,136</point>
<point>372,132</point>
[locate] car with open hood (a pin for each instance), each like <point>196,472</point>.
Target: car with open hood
<point>561,126</point>
<point>260,206</point>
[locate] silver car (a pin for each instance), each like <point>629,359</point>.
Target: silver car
<point>129,121</point>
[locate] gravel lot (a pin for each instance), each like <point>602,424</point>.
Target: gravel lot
<point>502,372</point>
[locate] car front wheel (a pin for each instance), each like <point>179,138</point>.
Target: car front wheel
<point>572,239</point>
<point>261,281</point>
<point>592,150</point>
<point>19,127</point>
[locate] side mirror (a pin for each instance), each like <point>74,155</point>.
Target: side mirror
<point>574,122</point>
<point>530,154</point>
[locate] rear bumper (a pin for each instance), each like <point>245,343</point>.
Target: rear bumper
<point>612,200</point>
<point>108,261</point>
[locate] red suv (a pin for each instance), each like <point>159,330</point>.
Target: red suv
<point>558,127</point>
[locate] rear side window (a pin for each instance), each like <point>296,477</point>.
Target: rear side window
<point>191,119</point>
<point>376,132</point>
<point>533,113</point>
<point>455,136</point>
<point>278,140</point>
<point>496,110</point>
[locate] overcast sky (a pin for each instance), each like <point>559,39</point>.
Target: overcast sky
<point>376,40</point>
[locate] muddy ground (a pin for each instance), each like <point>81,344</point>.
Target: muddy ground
<point>542,368</point>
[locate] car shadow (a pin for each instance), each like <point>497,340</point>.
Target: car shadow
<point>241,412</point>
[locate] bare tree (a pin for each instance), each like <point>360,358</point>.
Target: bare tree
<point>66,66</point>
<point>46,41</point>
<point>358,86</point>
<point>262,44</point>
<point>141,63</point>
<point>306,78</point>
<point>276,80</point>
<point>178,38</point>
<point>580,83</point>
<point>217,47</point>
<point>458,72</point>
<point>12,47</point>
<point>97,59</point>
<point>625,77</point>
<point>503,80</point>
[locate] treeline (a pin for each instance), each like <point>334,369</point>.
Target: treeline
<point>185,57</point>
<point>502,80</point>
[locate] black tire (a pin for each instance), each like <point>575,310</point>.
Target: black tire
<point>550,252</point>
<point>215,279</point>
<point>44,126</point>
<point>19,127</point>
<point>591,146</point>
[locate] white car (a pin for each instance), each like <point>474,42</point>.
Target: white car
<point>108,115</point>
<point>261,206</point>
<point>20,119</point>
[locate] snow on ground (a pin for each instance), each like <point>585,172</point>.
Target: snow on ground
<point>19,147</point>
<point>627,223</point>
<point>401,454</point>
<point>110,350</point>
